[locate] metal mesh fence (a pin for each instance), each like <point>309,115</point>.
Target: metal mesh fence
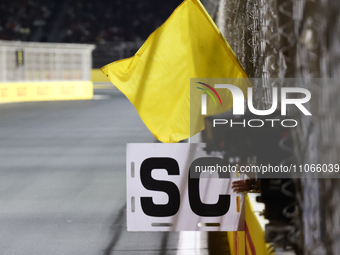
<point>297,39</point>
<point>22,61</point>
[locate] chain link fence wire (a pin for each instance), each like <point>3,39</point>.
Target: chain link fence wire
<point>296,39</point>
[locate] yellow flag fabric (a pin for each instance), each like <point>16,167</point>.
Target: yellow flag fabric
<point>157,78</point>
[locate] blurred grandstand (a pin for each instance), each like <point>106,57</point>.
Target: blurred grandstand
<point>117,27</point>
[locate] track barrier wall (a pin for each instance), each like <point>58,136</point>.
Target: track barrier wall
<point>251,241</point>
<point>45,91</point>
<point>45,71</point>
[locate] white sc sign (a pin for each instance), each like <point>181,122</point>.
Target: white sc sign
<point>163,194</point>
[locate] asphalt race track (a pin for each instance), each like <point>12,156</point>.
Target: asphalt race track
<point>62,180</point>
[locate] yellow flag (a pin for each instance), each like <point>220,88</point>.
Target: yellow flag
<point>157,78</point>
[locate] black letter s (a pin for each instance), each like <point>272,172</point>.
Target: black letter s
<point>148,207</point>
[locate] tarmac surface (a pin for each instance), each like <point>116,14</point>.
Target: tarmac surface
<point>62,180</point>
